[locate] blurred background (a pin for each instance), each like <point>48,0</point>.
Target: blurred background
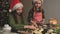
<point>51,8</point>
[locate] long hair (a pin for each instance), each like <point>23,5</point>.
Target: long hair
<point>15,17</point>
<point>39,9</point>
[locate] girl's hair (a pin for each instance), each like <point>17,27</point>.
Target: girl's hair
<point>15,16</point>
<point>34,9</point>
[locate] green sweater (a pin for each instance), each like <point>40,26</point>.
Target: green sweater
<point>13,24</point>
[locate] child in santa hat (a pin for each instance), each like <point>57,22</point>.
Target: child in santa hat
<point>15,16</point>
<point>36,14</point>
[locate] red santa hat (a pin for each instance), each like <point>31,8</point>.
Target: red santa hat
<point>36,1</point>
<point>14,4</point>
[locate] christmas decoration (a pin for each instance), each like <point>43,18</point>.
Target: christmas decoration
<point>4,6</point>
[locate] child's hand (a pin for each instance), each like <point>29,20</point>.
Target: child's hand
<point>34,23</point>
<point>30,27</point>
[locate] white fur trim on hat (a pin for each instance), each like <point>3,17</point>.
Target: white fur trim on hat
<point>36,0</point>
<point>17,6</point>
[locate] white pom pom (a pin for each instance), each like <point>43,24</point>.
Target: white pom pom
<point>10,10</point>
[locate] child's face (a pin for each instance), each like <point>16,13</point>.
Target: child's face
<point>38,4</point>
<point>53,22</point>
<point>19,10</point>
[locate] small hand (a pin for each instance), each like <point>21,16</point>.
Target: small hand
<point>30,27</point>
<point>34,23</point>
